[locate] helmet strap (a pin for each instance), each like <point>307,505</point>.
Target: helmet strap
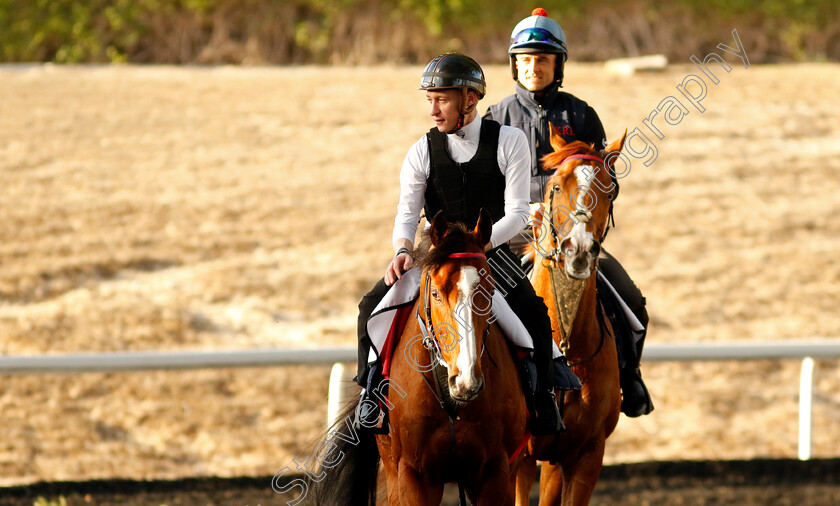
<point>463,111</point>
<point>560,68</point>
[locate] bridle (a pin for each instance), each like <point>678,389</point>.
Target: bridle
<point>440,389</point>
<point>582,216</point>
<point>430,341</point>
<point>563,289</point>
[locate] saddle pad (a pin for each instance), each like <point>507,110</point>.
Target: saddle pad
<point>393,339</point>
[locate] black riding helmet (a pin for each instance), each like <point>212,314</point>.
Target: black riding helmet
<point>453,70</point>
<point>458,71</point>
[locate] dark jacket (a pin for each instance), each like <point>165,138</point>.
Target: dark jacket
<point>573,119</point>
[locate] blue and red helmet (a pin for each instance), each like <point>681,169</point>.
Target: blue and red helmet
<point>538,33</point>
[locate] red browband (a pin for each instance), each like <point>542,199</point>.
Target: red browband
<point>583,157</point>
<point>468,255</point>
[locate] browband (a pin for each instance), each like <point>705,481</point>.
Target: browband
<point>579,157</point>
<point>468,255</point>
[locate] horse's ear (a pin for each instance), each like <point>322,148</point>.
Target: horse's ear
<point>557,141</point>
<point>484,227</point>
<point>439,227</point>
<point>618,145</point>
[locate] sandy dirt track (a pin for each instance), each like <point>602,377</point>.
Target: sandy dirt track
<point>781,482</point>
<point>149,208</point>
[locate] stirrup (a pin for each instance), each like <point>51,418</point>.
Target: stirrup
<point>369,416</point>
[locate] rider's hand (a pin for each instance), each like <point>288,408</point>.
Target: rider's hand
<point>397,267</point>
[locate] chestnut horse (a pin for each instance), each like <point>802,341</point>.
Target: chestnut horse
<point>578,205</point>
<point>457,410</point>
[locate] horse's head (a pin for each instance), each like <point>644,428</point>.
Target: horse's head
<point>458,289</point>
<point>578,201</point>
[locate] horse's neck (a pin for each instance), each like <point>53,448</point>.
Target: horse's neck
<point>584,337</point>
<point>496,359</point>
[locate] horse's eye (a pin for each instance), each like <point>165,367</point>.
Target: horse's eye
<point>436,295</point>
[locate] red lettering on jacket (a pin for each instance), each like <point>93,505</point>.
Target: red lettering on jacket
<point>566,130</point>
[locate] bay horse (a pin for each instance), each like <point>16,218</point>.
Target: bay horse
<point>457,409</point>
<point>568,236</point>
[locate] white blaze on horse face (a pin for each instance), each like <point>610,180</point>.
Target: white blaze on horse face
<point>578,265</point>
<point>584,175</point>
<point>467,349</point>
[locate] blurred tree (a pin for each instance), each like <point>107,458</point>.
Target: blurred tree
<point>368,31</point>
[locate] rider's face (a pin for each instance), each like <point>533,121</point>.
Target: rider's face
<point>535,71</point>
<point>444,108</point>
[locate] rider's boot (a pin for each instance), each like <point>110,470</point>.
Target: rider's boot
<point>547,417</point>
<point>635,398</point>
<point>368,411</point>
<point>614,287</point>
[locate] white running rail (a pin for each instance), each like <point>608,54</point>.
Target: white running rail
<point>806,350</point>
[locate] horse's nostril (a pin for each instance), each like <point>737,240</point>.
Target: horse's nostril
<point>567,247</point>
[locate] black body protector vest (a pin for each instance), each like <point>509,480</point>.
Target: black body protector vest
<point>462,189</point>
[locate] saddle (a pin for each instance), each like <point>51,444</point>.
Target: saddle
<point>564,379</point>
<point>629,331</point>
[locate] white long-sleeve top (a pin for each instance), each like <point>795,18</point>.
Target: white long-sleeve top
<point>514,159</point>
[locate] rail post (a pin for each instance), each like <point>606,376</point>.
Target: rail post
<point>339,390</point>
<point>806,382</point>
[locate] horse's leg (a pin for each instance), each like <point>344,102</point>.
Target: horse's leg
<point>551,484</point>
<point>511,497</point>
<point>496,485</point>
<point>582,474</point>
<point>391,478</point>
<point>525,477</point>
<point>382,490</point>
<point>412,489</point>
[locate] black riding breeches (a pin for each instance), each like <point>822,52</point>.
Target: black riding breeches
<point>366,307</point>
<point>527,305</point>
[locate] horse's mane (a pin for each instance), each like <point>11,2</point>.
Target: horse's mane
<point>573,148</point>
<point>457,239</point>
